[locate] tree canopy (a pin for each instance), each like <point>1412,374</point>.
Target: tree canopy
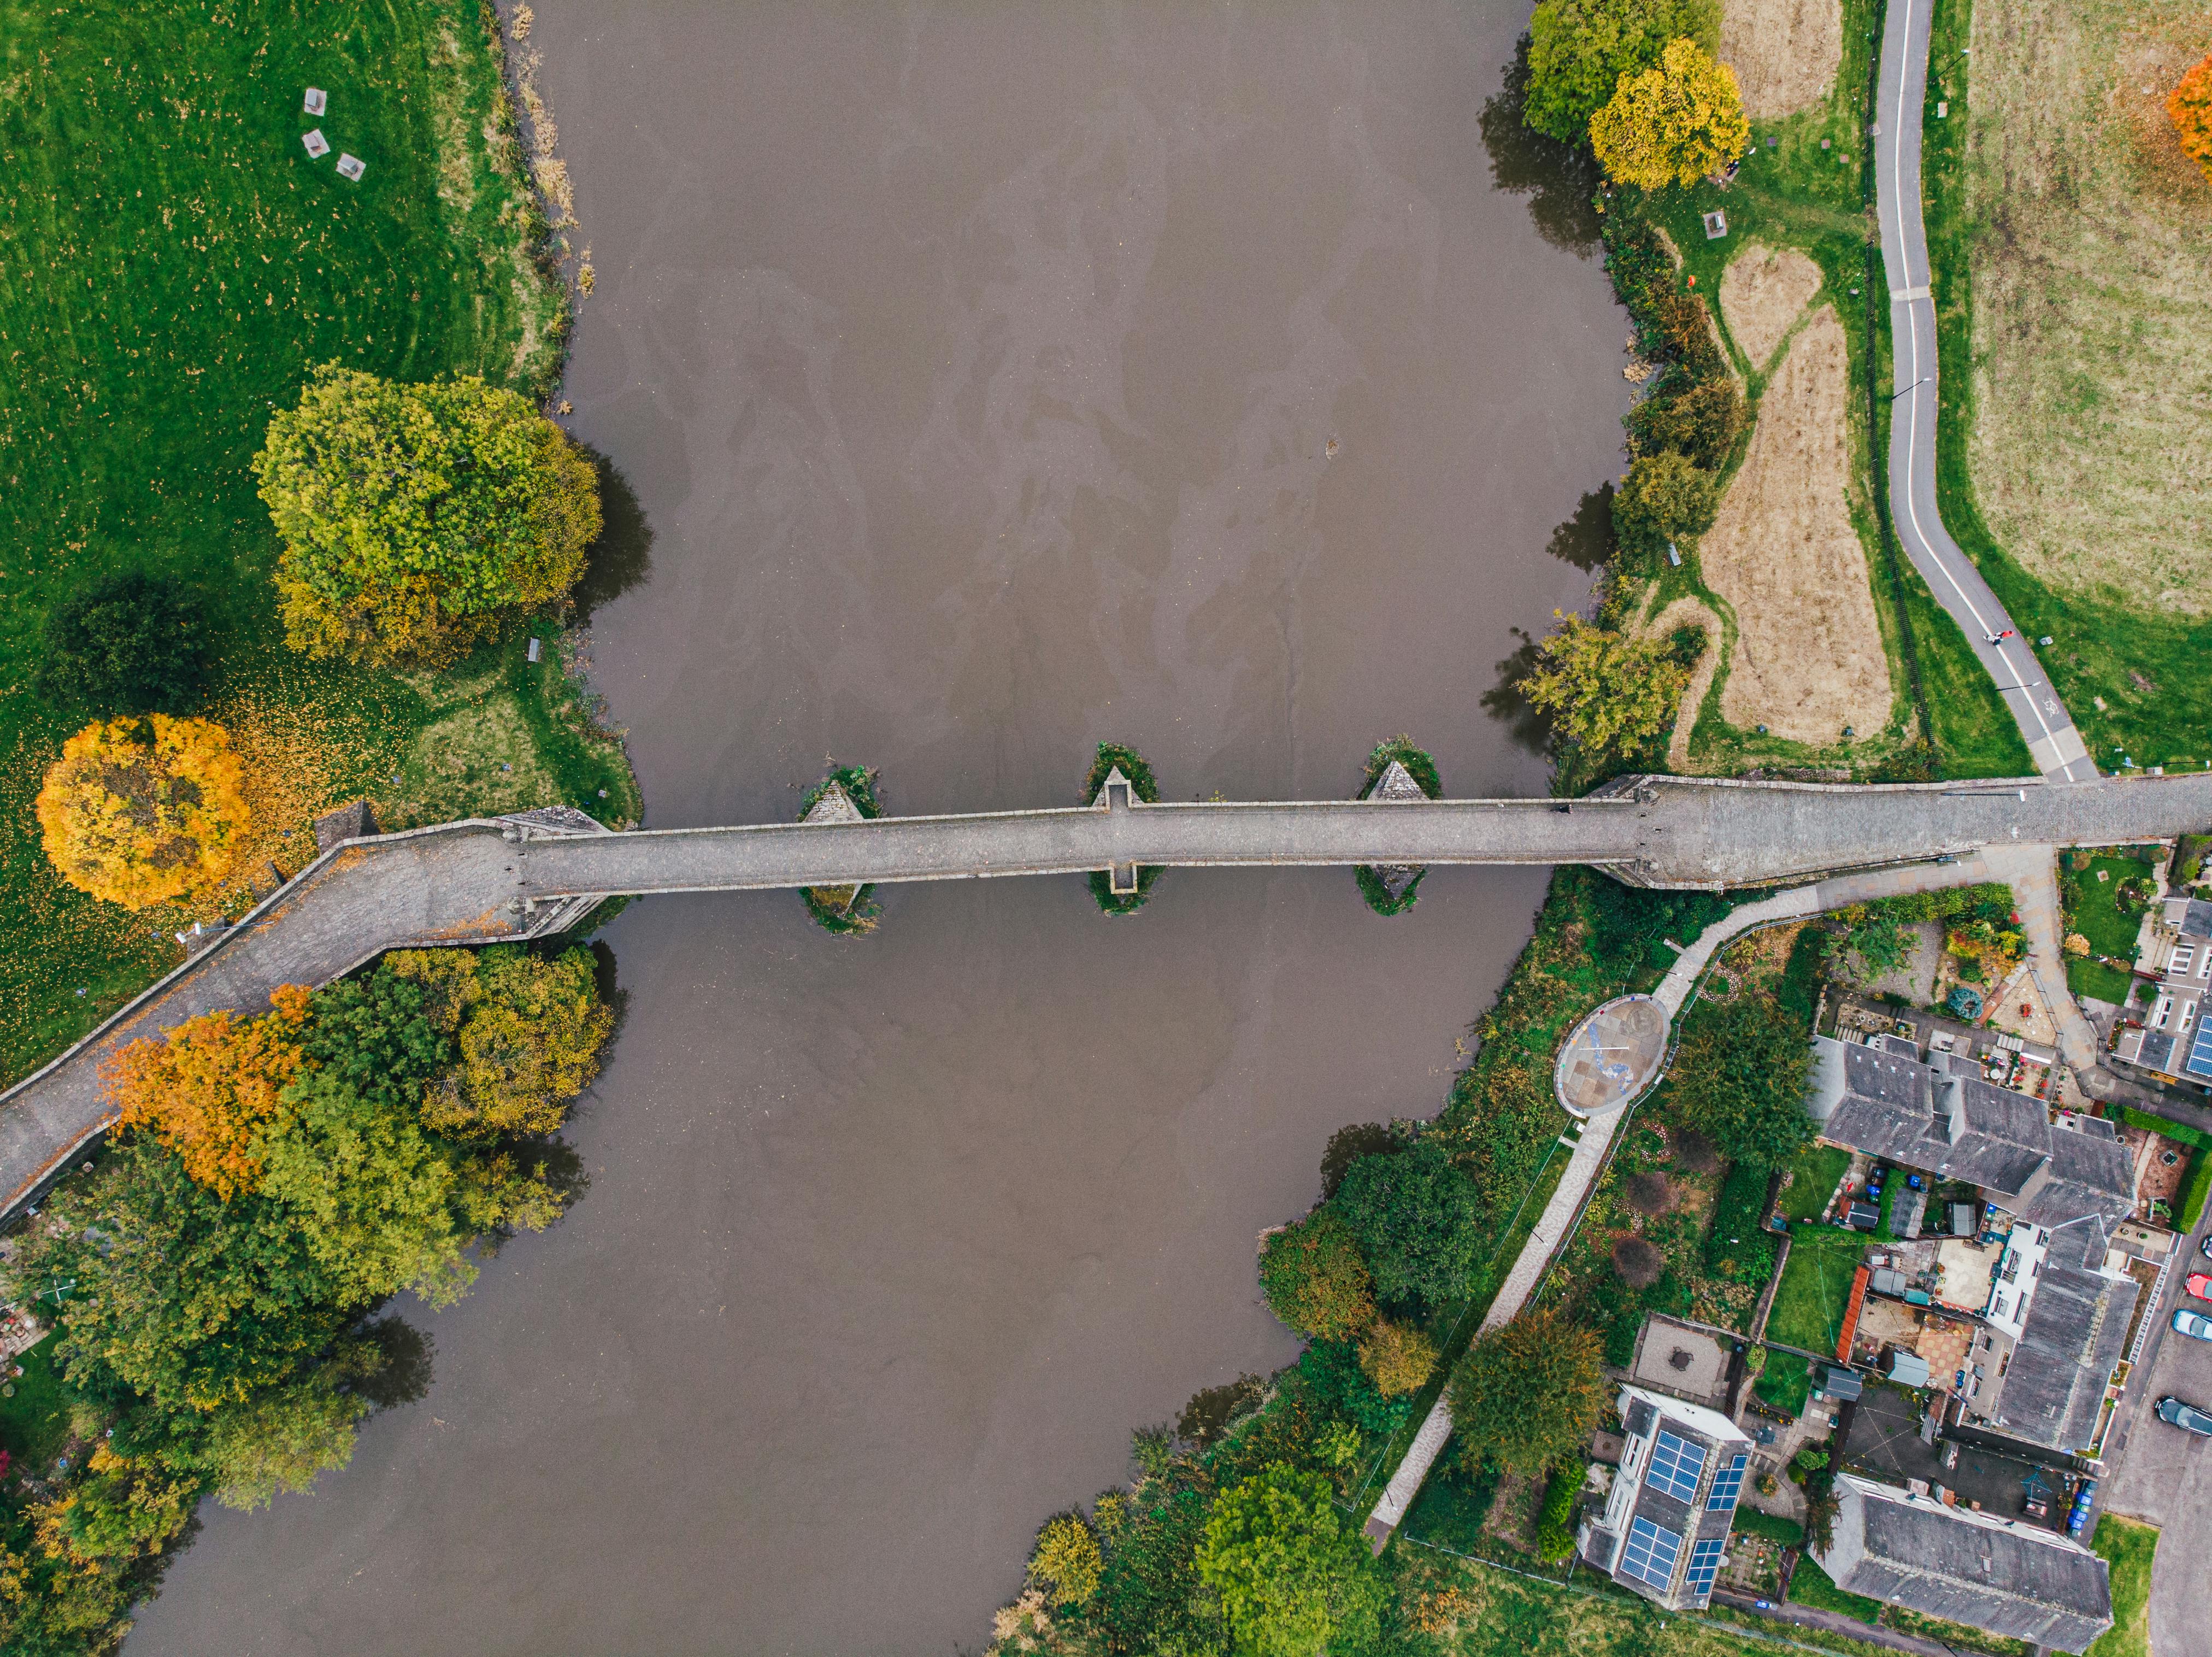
<point>1527,1394</point>
<point>1701,423</point>
<point>1417,1217</point>
<point>1672,123</point>
<point>414,517</point>
<point>1578,50</point>
<point>1397,1357</point>
<point>1066,1559</point>
<point>142,811</point>
<point>1666,496</point>
<point>1294,1578</point>
<point>1738,1078</point>
<point>1605,692</point>
<point>208,1088</point>
<point>1315,1279</point>
<point>127,643</point>
<point>2189,106</point>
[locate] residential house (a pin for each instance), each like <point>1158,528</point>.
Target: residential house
<point>2174,1038</point>
<point>1667,1517</point>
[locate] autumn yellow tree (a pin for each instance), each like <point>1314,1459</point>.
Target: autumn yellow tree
<point>2190,106</point>
<point>1397,1357</point>
<point>529,1031</point>
<point>208,1088</point>
<point>1605,692</point>
<point>142,811</point>
<point>1671,124</point>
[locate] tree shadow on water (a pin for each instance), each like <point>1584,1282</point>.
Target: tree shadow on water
<point>1525,725</point>
<point>621,556</point>
<point>1560,181</point>
<point>1585,540</point>
<point>401,1360</point>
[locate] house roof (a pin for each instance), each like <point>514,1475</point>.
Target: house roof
<point>2076,1324</point>
<point>2011,1579</point>
<point>1718,1442</point>
<point>2190,916</point>
<point>2090,1172</point>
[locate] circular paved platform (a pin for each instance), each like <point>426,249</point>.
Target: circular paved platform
<point>1612,1056</point>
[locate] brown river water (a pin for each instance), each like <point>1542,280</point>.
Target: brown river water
<point>976,369</point>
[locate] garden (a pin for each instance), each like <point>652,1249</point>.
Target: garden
<point>2105,895</point>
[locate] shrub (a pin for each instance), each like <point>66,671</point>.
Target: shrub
<point>1700,424</point>
<point>1528,1393</point>
<point>1291,1576</point>
<point>1144,787</point>
<point>1739,1246</point>
<point>1418,764</point>
<point>1739,1077</point>
<point>1397,1357</point>
<point>1606,693</point>
<point>1315,1280</point>
<point>1066,1559</point>
<point>2190,108</point>
<point>1416,1216</point>
<point>1578,50</point>
<point>1665,497</point>
<point>1332,1369</point>
<point>1555,1531</point>
<point>142,811</point>
<point>844,910</point>
<point>529,1044</point>
<point>1671,322</point>
<point>124,644</point>
<point>2194,1193</point>
<point>414,516</point>
<point>1671,124</point>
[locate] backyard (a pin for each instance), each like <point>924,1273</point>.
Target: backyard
<point>1815,1288</point>
<point>172,261</point>
<point>2128,1548</point>
<point>2096,909</point>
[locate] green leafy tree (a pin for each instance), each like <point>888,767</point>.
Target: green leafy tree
<point>124,644</point>
<point>1397,1357</point>
<point>1417,1218</point>
<point>1294,1578</point>
<point>122,1510</point>
<point>1528,1393</point>
<point>1880,945</point>
<point>281,1438</point>
<point>1738,1078</point>
<point>1665,497</point>
<point>1606,693</point>
<point>1671,124</point>
<point>1578,50</point>
<point>1700,424</point>
<point>414,516</point>
<point>529,1045</point>
<point>1314,1277</point>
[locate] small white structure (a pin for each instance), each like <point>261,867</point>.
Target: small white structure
<point>317,145</point>
<point>317,101</point>
<point>351,167</point>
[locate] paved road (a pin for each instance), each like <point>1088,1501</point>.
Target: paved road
<point>2165,1475</point>
<point>480,881</point>
<point>2056,746</point>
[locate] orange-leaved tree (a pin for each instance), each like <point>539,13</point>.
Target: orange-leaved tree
<point>2190,105</point>
<point>208,1088</point>
<point>141,811</point>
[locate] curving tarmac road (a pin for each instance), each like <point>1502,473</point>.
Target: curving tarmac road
<point>2056,746</point>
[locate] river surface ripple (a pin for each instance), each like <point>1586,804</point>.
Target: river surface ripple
<point>975,369</point>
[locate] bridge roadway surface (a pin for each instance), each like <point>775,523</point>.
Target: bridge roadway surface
<point>494,882</point>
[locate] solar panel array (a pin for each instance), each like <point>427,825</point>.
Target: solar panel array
<point>1675,1465</point>
<point>1726,1484</point>
<point>1705,1565</point>
<point>2200,1051</point>
<point>1651,1553</point>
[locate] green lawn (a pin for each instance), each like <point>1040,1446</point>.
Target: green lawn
<point>1786,1382</point>
<point>2093,906</point>
<point>35,1422</point>
<point>1815,1287</point>
<point>1772,1526</point>
<point>1811,1586</point>
<point>1814,1177</point>
<point>2095,979</point>
<point>2127,1547</point>
<point>171,263</point>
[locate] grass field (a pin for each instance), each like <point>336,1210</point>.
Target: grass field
<point>2093,906</point>
<point>2074,461</point>
<point>1815,1288</point>
<point>171,263</point>
<point>1786,1382</point>
<point>1797,194</point>
<point>2128,1548</point>
<point>1812,1179</point>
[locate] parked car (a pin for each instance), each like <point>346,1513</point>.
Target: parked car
<point>2195,1325</point>
<point>2199,1283</point>
<point>2187,1416</point>
<point>2205,1247</point>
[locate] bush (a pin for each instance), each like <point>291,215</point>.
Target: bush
<point>414,517</point>
<point>1066,1559</point>
<point>1416,1216</point>
<point>1291,1576</point>
<point>1739,1246</point>
<point>1315,1280</point>
<point>1418,764</point>
<point>1700,424</point>
<point>1144,787</point>
<point>1739,1077</point>
<point>124,644</point>
<point>2193,1194</point>
<point>1666,498</point>
<point>1671,323</point>
<point>1397,1357</point>
<point>1671,124</point>
<point>845,911</point>
<point>2189,106</point>
<point>1529,1394</point>
<point>143,810</point>
<point>1331,1369</point>
<point>1606,694</point>
<point>1555,1531</point>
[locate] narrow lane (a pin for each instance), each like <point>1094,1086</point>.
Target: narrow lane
<point>2056,746</point>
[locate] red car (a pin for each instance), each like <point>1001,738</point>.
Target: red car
<point>2200,1285</point>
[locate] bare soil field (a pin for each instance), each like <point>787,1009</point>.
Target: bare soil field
<point>1784,52</point>
<point>2092,454</point>
<point>1808,661</point>
<point>1763,292</point>
<point>1689,613</point>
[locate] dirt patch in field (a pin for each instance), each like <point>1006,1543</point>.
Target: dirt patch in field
<point>1808,659</point>
<point>1784,52</point>
<point>2091,450</point>
<point>1689,613</point>
<point>1764,291</point>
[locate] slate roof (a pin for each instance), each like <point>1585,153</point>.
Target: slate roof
<point>2015,1580</point>
<point>2190,916</point>
<point>2090,1172</point>
<point>2077,1323</point>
